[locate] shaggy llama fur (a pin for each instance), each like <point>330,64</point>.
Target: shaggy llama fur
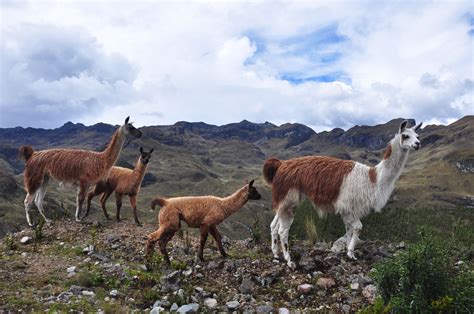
<point>78,167</point>
<point>344,187</point>
<point>124,182</point>
<point>203,212</point>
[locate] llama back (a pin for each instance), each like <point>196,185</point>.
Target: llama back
<point>320,178</point>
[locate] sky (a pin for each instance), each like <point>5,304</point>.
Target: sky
<point>325,64</point>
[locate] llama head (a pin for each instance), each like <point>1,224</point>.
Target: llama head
<point>130,130</point>
<point>252,192</point>
<point>145,156</point>
<point>409,138</point>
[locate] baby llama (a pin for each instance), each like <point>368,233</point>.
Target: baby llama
<point>124,182</point>
<point>343,187</point>
<point>75,166</point>
<point>203,212</point>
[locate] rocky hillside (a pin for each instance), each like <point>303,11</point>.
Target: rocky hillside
<point>96,267</point>
<point>198,158</point>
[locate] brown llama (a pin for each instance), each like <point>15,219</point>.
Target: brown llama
<point>203,212</point>
<point>74,166</point>
<point>124,182</point>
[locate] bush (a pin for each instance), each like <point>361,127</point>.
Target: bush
<point>423,279</point>
<point>310,230</point>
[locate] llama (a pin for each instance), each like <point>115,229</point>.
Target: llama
<point>343,187</point>
<point>124,182</point>
<point>203,212</point>
<point>74,166</point>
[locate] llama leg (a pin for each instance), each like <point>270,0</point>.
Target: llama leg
<point>163,241</point>
<point>39,198</point>
<point>286,219</point>
<point>28,202</point>
<point>152,238</point>
<point>274,226</point>
<point>217,236</point>
<point>356,228</point>
<point>204,231</point>
<point>103,201</point>
<point>118,202</point>
<point>133,203</point>
<point>96,191</point>
<point>81,195</point>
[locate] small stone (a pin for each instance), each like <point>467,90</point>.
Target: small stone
<point>26,240</point>
<point>369,293</point>
<point>174,307</point>
<point>187,272</point>
<point>401,245</point>
<point>210,303</point>
<point>264,309</point>
<point>88,293</point>
<point>114,293</point>
<point>88,249</point>
<point>71,269</point>
<point>326,283</point>
<point>143,267</point>
<point>305,288</point>
<point>355,286</point>
<point>106,299</point>
<point>346,308</point>
<point>189,308</point>
<point>24,254</point>
<point>61,243</point>
<point>87,260</point>
<point>233,305</point>
<point>247,286</point>
<point>283,310</point>
<point>459,263</point>
<point>75,289</point>
<point>157,310</point>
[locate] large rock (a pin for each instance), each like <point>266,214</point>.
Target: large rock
<point>189,308</point>
<point>233,305</point>
<point>326,283</point>
<point>210,303</point>
<point>305,288</point>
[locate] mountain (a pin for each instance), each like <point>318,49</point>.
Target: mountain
<point>195,158</point>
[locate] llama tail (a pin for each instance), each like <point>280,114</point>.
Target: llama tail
<point>158,201</point>
<point>25,152</point>
<point>270,168</point>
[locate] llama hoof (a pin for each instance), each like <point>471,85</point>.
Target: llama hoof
<point>291,265</point>
<point>351,255</point>
<point>138,223</point>
<point>78,219</point>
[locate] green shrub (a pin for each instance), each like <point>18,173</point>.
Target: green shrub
<point>423,279</point>
<point>9,242</point>
<point>39,229</point>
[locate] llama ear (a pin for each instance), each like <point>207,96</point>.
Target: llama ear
<point>416,128</point>
<point>151,151</point>
<point>403,126</point>
<point>141,150</point>
<point>126,120</point>
<point>251,183</point>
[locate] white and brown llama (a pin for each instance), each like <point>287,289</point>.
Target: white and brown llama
<point>122,181</point>
<point>203,212</point>
<point>73,166</point>
<point>343,187</point>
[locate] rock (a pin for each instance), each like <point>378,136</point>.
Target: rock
<point>64,296</point>
<point>114,293</point>
<point>247,286</point>
<point>401,245</point>
<point>107,299</point>
<point>264,309</point>
<point>189,308</point>
<point>188,272</point>
<point>305,288</point>
<point>24,254</point>
<point>364,280</point>
<point>339,245</point>
<point>210,303</point>
<point>173,277</point>
<point>233,305</point>
<point>283,310</point>
<point>157,310</point>
<point>226,242</point>
<point>459,263</point>
<point>88,250</point>
<point>88,293</point>
<point>26,240</point>
<point>101,257</point>
<point>355,286</point>
<point>369,293</point>
<point>346,308</point>
<point>75,289</point>
<point>326,283</point>
<point>71,269</point>
<point>174,307</point>
<point>112,238</point>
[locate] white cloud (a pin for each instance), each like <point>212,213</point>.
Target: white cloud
<point>162,62</point>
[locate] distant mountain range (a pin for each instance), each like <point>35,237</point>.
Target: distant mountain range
<point>198,158</point>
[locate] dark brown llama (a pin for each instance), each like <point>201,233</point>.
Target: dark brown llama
<point>74,166</point>
<point>124,182</point>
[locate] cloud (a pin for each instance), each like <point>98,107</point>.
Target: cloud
<point>323,64</point>
<point>52,74</point>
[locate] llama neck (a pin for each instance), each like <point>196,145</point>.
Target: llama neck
<point>392,165</point>
<point>112,152</point>
<point>234,202</point>
<point>140,169</point>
